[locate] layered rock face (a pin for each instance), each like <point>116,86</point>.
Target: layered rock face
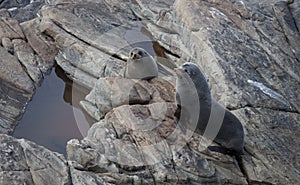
<point>248,50</point>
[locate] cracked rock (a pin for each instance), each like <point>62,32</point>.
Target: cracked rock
<point>139,140</point>
<point>25,162</point>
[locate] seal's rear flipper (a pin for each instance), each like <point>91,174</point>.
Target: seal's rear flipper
<point>221,150</point>
<point>237,155</point>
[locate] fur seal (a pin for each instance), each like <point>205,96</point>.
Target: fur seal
<point>231,133</point>
<point>140,65</point>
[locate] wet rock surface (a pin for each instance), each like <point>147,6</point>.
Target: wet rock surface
<point>248,50</point>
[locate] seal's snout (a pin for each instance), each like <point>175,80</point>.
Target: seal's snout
<point>135,56</point>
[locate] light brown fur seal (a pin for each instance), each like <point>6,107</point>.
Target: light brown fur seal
<point>140,65</point>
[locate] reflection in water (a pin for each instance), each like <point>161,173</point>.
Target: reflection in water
<point>53,116</point>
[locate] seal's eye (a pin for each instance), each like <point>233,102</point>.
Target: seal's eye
<point>141,53</point>
<point>187,71</point>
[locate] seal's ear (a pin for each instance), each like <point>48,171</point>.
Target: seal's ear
<point>193,72</point>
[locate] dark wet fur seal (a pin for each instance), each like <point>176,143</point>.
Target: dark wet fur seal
<point>140,65</point>
<point>231,133</point>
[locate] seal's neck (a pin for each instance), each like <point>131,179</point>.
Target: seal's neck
<point>202,88</point>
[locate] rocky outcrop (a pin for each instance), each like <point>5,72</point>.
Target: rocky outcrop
<point>16,86</point>
<point>25,162</point>
<point>143,141</point>
<point>277,139</point>
<point>22,10</point>
<point>241,48</point>
<point>109,93</point>
<point>26,55</point>
<point>249,52</point>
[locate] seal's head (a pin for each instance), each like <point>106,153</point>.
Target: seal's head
<point>140,65</point>
<point>137,53</point>
<point>190,74</point>
<point>189,69</point>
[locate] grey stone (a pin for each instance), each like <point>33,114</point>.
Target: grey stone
<point>86,178</point>
<point>223,50</point>
<point>26,12</point>
<point>295,10</point>
<point>86,64</point>
<point>13,3</point>
<point>20,66</point>
<point>15,177</point>
<point>132,138</point>
<point>25,162</point>
<point>16,90</point>
<point>249,62</point>
<point>30,60</point>
<point>13,73</point>
<point>12,106</point>
<point>107,41</point>
<point>7,44</point>
<point>41,43</point>
<point>109,93</point>
<point>271,145</point>
<point>10,28</point>
<point>4,13</point>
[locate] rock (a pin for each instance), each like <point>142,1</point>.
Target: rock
<point>10,28</point>
<point>4,13</point>
<point>86,64</point>
<point>20,66</point>
<point>12,106</point>
<point>25,162</point>
<point>271,145</point>
<point>15,177</point>
<point>288,26</point>
<point>85,31</point>
<point>106,50</point>
<point>151,10</point>
<point>218,34</point>
<point>140,140</point>
<point>26,10</point>
<point>13,73</point>
<point>7,44</point>
<point>242,54</point>
<point>86,178</point>
<point>41,43</point>
<point>295,10</point>
<point>109,93</point>
<point>27,57</point>
<point>13,3</point>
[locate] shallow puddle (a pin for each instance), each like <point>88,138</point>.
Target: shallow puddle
<point>53,117</point>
